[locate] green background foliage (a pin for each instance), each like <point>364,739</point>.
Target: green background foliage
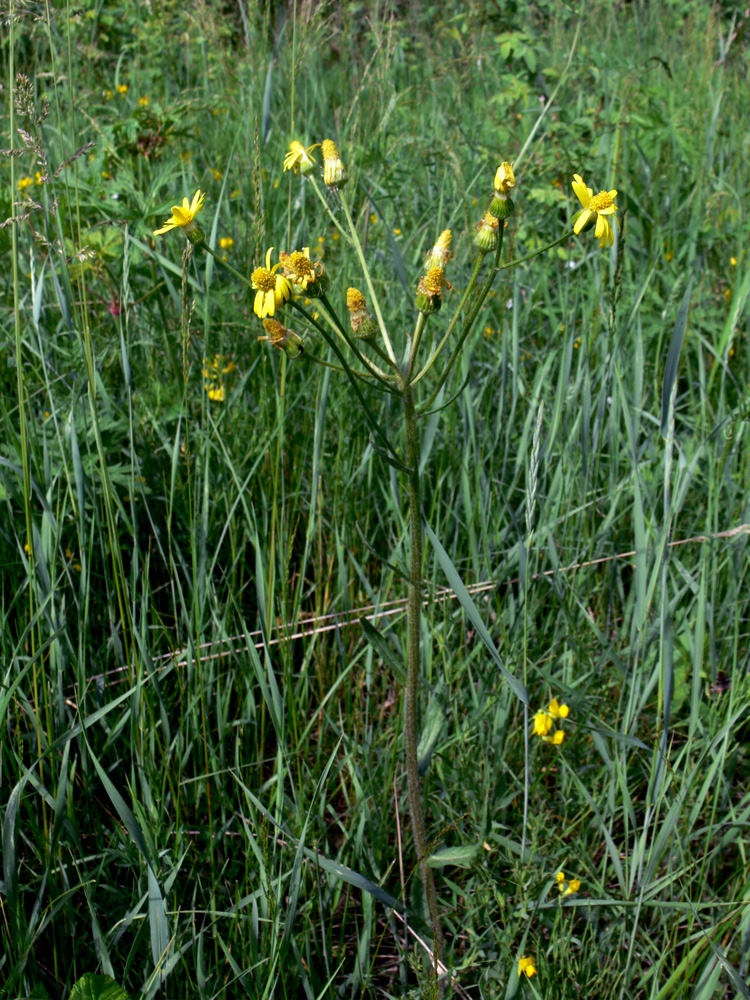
<point>202,794</point>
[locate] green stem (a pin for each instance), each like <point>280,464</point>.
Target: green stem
<point>413,671</point>
<point>368,281</point>
<point>451,326</point>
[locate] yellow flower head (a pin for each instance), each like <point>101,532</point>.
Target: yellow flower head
<point>144,101</point>
<point>272,289</point>
<point>226,242</point>
<point>363,325</point>
<point>334,172</point>
<point>299,269</point>
<point>558,711</point>
<point>285,340</point>
<point>526,967</point>
<point>505,179</point>
<point>122,89</point>
<point>542,723</point>
<point>567,886</point>
<point>183,216</point>
<point>441,253</point>
<point>598,206</point>
<point>25,182</point>
<point>298,158</point>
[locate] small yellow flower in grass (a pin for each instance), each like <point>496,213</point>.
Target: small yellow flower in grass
<point>25,182</point>
<point>334,172</point>
<point>216,174</point>
<point>598,207</point>
<point>733,261</point>
<point>38,177</point>
<point>122,89</point>
<point>567,886</point>
<point>558,711</point>
<point>300,270</point>
<point>108,95</point>
<point>144,101</point>
<point>544,722</point>
<point>272,290</point>
<point>285,340</point>
<point>298,158</point>
<point>183,217</point>
<point>526,967</point>
<point>226,242</point>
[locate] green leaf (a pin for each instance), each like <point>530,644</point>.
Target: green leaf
<point>671,368</point>
<point>464,598</point>
<point>461,856</point>
<point>93,987</point>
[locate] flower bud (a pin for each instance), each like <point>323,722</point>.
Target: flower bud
<point>429,290</point>
<point>334,172</point>
<point>285,340</point>
<point>363,325</point>
<point>485,238</point>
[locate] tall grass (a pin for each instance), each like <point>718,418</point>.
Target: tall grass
<point>195,803</point>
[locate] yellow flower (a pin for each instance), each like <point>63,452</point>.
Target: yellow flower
<point>373,219</point>
<point>272,289</point>
<point>25,182</point>
<point>38,177</point>
<point>217,393</point>
<point>216,173</point>
<point>122,89</point>
<point>542,723</point>
<point>298,158</point>
<point>144,101</point>
<point>183,216</point>
<point>363,325</point>
<point>567,886</point>
<point>441,253</point>
<point>334,172</point>
<point>598,206</point>
<point>300,270</point>
<point>505,179</point>
<point>108,95</point>
<point>545,720</point>
<point>226,242</point>
<point>558,711</point>
<point>526,967</point>
<point>733,261</point>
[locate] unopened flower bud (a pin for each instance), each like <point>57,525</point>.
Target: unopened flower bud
<point>485,238</point>
<point>505,181</point>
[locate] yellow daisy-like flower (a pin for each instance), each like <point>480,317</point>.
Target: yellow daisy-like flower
<point>334,171</point>
<point>299,269</point>
<point>226,242</point>
<point>298,158</point>
<point>526,967</point>
<point>272,289</point>
<point>183,216</point>
<point>598,206</point>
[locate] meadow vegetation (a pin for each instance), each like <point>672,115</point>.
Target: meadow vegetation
<point>202,781</point>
